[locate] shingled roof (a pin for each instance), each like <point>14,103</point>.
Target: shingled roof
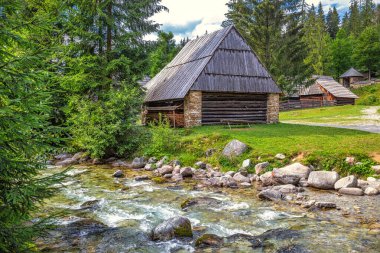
<point>221,61</point>
<point>335,88</point>
<point>352,73</point>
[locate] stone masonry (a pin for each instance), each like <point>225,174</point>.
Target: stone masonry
<point>193,109</point>
<point>273,109</point>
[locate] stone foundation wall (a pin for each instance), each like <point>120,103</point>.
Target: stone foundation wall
<point>193,109</point>
<point>273,105</point>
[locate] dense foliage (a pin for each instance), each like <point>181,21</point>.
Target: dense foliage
<point>27,43</point>
<point>295,40</point>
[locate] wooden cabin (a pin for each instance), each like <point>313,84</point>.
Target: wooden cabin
<point>350,76</point>
<point>326,90</point>
<point>214,79</point>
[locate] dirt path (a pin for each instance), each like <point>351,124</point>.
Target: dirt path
<point>368,122</point>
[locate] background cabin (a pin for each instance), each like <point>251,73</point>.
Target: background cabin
<point>350,76</point>
<point>214,79</point>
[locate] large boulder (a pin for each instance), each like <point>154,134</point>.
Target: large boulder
<point>176,227</point>
<point>350,181</point>
<point>240,178</point>
<point>271,194</point>
<point>166,169</point>
<point>186,172</point>
<point>323,179</point>
<point>260,167</point>
<point>267,179</point>
<point>139,163</point>
<point>209,241</point>
<point>234,148</point>
<point>293,170</point>
<point>351,191</point>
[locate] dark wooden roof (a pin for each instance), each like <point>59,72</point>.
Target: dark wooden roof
<point>221,61</point>
<point>352,73</point>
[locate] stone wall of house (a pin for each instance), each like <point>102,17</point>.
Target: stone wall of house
<point>193,109</point>
<point>273,109</point>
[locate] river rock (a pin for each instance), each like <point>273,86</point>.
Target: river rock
<point>138,163</point>
<point>118,174</point>
<point>292,170</point>
<point>350,181</point>
<point>288,188</point>
<point>303,183</point>
<point>161,162</point>
<point>230,173</point>
<point>240,178</point>
<point>351,191</point>
<point>120,163</point>
<point>168,175</point>
<point>176,227</point>
<point>228,181</point>
<point>67,162</point>
<point>177,177</point>
<point>78,156</point>
<point>92,204</point>
<point>371,191</point>
<point>97,161</point>
<point>376,168</point>
<point>186,172</point>
<point>62,156</point>
<point>215,182</point>
<point>270,194</point>
<point>260,167</point>
<point>362,184</point>
<point>323,179</point>
<point>150,167</point>
<point>325,205</point>
<point>253,178</point>
<point>176,170</point>
<point>152,160</point>
<point>371,179</point>
<point>234,148</point>
<point>245,185</point>
<point>166,169</point>
<point>280,156</point>
<point>246,164</point>
<point>209,241</point>
<point>200,165</point>
<point>142,178</point>
<point>200,201</point>
<point>267,179</point>
<point>243,171</point>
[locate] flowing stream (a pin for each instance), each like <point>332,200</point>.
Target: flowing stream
<point>127,210</point>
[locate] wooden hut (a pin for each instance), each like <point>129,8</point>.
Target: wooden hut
<point>326,89</point>
<point>351,76</point>
<point>214,79</point>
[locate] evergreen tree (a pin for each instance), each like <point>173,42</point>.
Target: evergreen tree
<point>367,50</point>
<point>341,49</point>
<point>332,22</point>
<point>354,22</point>
<point>165,51</point>
<point>368,13</point>
<point>27,39</point>
<point>346,22</point>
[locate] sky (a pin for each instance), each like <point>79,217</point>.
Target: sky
<point>192,18</point>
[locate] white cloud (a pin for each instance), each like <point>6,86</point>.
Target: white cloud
<point>191,18</point>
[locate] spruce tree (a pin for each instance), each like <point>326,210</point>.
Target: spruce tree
<point>332,22</point>
<point>368,13</point>
<point>354,22</point>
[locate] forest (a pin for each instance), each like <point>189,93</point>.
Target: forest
<point>69,73</point>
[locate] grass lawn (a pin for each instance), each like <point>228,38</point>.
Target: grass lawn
<point>323,147</point>
<point>334,114</point>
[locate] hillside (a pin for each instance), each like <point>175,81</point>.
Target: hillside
<point>369,95</point>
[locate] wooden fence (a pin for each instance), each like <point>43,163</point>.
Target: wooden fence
<point>298,104</point>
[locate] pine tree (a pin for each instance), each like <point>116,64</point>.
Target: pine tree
<point>354,22</point>
<point>368,13</point>
<point>332,22</point>
<point>28,40</point>
<point>346,22</point>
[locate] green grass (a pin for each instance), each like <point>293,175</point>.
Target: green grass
<point>347,113</point>
<point>369,95</point>
<point>323,147</point>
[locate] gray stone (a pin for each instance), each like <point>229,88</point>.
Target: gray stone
<point>150,166</point>
<point>362,184</point>
<point>271,194</point>
<point>350,181</point>
<point>62,156</point>
<point>351,191</point>
<point>287,188</point>
<point>161,162</point>
<point>325,205</point>
<point>120,163</point>
<point>200,165</point>
<point>234,148</point>
<point>371,179</point>
<point>169,175</point>
<point>230,173</point>
<point>323,179</point>
<point>253,178</point>
<point>280,156</point>
<point>303,183</point>
<point>78,156</point>
<point>371,191</point>
<point>215,182</point>
<point>243,171</point>
<point>176,177</point>
<point>376,168</point>
<point>308,204</point>
<point>245,185</point>
<point>175,163</point>
<point>228,181</point>
<point>91,204</point>
<point>209,241</point>
<point>166,169</point>
<point>238,177</point>
<point>176,170</point>
<point>67,162</point>
<point>97,161</point>
<point>267,179</point>
<point>295,169</point>
<point>246,164</point>
<point>138,163</point>
<point>260,167</point>
<point>152,160</point>
<point>176,227</point>
<point>118,173</point>
<point>186,172</point>
<point>142,178</point>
